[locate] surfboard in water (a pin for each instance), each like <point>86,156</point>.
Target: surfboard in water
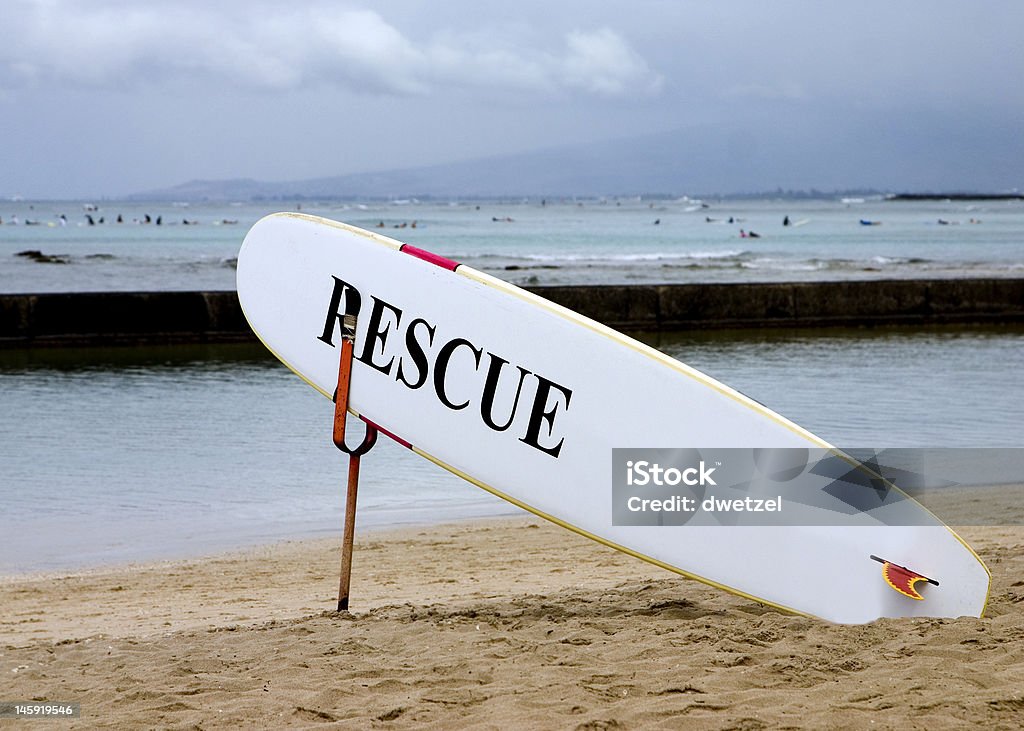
<point>527,400</point>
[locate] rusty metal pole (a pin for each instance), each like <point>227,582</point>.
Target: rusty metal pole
<point>350,532</point>
<point>344,380</point>
<point>341,398</point>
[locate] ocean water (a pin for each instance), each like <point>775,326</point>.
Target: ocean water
<point>139,453</point>
<point>118,455</point>
<point>559,242</point>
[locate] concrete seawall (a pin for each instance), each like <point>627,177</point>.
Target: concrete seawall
<point>160,317</point>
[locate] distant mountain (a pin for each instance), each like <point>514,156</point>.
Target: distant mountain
<point>700,160</point>
<point>640,165</point>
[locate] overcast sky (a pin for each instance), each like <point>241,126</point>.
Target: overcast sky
<point>107,97</point>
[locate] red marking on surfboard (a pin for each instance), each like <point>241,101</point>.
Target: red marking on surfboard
<point>384,431</point>
<point>431,257</point>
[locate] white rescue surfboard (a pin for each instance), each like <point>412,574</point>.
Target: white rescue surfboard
<point>527,399</point>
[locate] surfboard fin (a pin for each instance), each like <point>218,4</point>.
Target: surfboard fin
<point>902,579</point>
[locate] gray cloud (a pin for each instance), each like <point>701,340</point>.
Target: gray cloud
<point>114,96</point>
<point>116,45</point>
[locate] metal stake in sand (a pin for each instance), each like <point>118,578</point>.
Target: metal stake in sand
<point>348,336</point>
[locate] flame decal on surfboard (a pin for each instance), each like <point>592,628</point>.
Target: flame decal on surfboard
<point>902,579</point>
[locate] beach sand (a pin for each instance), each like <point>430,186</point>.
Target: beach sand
<point>499,624</point>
